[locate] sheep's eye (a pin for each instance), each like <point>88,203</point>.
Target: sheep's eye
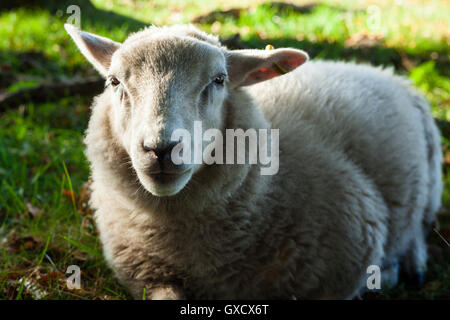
<point>219,79</point>
<point>114,82</point>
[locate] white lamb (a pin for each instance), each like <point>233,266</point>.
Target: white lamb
<point>359,178</point>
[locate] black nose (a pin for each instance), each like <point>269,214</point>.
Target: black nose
<point>160,159</point>
<point>162,153</point>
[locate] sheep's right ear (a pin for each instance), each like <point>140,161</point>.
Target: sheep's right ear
<point>97,50</point>
<point>247,67</point>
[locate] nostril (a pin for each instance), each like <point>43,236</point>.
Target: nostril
<point>169,148</point>
<point>159,157</point>
<point>160,152</point>
<point>146,147</point>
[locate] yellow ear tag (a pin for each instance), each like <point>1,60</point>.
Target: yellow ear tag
<point>276,66</point>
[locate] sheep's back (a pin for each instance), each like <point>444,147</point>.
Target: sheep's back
<point>366,113</point>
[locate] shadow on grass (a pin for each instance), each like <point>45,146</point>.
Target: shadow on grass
<point>378,55</point>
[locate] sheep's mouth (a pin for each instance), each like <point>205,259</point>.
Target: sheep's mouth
<point>166,177</point>
<point>164,183</point>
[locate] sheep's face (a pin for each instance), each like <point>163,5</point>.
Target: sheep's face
<point>154,95</point>
<point>163,80</point>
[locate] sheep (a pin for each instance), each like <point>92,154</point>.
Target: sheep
<point>358,184</point>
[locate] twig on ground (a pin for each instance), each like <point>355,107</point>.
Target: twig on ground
<point>44,92</point>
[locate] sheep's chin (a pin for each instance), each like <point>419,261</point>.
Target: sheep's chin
<point>164,189</point>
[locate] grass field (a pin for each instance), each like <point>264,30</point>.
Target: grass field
<point>45,222</point>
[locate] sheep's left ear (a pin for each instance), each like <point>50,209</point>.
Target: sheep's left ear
<point>97,50</point>
<point>246,67</point>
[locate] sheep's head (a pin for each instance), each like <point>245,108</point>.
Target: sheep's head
<point>163,79</point>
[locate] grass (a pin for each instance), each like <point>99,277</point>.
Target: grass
<point>45,222</point>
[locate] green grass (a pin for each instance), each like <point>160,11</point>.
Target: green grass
<point>45,223</point>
